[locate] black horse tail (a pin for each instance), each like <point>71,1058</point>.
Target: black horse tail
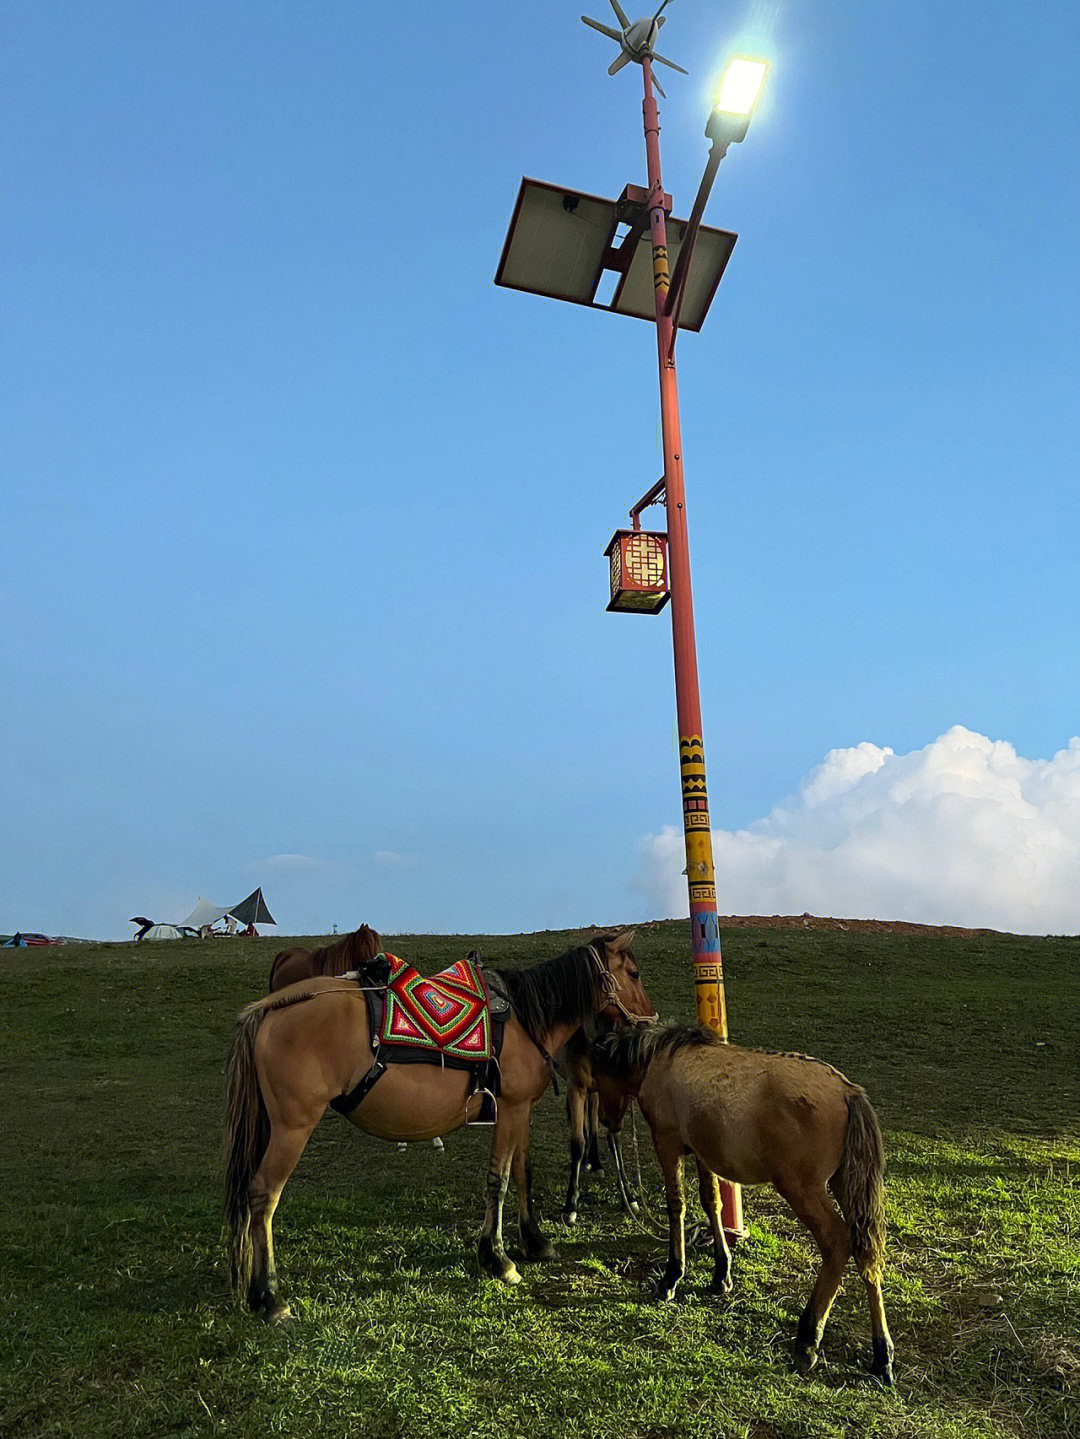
<point>247,1133</point>
<point>859,1185</point>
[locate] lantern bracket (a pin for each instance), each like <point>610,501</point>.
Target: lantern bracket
<point>657,495</point>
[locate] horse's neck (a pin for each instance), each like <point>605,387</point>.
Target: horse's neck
<point>557,1036</point>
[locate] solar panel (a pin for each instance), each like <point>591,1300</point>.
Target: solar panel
<point>561,242</point>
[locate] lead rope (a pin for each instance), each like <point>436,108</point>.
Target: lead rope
<point>652,1228</point>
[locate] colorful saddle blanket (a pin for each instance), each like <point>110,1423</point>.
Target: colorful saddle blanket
<point>448,1013</point>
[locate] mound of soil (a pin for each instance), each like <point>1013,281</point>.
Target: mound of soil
<point>857,926</point>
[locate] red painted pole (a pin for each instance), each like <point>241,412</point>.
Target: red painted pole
<point>700,877</point>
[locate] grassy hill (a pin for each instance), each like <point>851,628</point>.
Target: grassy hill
<point>118,1321</point>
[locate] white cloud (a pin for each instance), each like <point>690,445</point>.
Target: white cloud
<point>965,831</point>
<point>291,864</point>
<point>392,859</point>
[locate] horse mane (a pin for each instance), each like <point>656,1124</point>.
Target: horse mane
<point>624,1050</point>
<point>556,991</point>
<point>349,952</point>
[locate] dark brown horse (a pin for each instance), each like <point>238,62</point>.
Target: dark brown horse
<point>583,1114</point>
<point>343,955</point>
<point>310,1044</point>
<point>755,1118</point>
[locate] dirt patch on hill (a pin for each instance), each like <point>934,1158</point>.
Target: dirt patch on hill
<point>856,926</point>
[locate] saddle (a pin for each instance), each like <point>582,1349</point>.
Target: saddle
<point>454,1019</point>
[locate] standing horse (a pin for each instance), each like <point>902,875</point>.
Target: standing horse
<point>583,1114</point>
<point>349,952</point>
<point>310,1044</point>
<point>754,1118</point>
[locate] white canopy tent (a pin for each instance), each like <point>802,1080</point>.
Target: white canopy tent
<point>205,912</point>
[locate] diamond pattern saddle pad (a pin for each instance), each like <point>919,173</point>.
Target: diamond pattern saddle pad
<point>446,1013</point>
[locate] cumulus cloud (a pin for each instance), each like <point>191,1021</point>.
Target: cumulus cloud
<point>965,831</point>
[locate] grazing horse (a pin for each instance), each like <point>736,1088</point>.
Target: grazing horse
<point>349,952</point>
<point>296,1051</point>
<point>754,1118</point>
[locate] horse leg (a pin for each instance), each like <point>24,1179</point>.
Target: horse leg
<point>709,1189</point>
<point>815,1209</point>
<point>593,1163</point>
<point>281,1158</point>
<point>614,1139</point>
<point>490,1253</point>
<point>669,1151</point>
<point>534,1242</point>
<point>576,1099</point>
<point>883,1345</point>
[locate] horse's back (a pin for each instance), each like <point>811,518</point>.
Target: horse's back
<point>749,1115</point>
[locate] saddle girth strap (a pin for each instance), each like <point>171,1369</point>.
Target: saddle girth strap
<point>346,1103</point>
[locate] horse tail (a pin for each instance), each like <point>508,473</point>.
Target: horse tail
<point>859,1185</point>
<point>247,1133</point>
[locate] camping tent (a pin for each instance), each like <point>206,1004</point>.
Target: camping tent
<point>253,910</point>
<point>164,931</point>
<point>206,912</point>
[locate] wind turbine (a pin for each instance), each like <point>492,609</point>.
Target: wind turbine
<point>636,40</point>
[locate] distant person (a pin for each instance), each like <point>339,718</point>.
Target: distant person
<point>230,924</point>
<point>251,932</point>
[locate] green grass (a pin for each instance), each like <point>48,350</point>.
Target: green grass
<point>118,1320</point>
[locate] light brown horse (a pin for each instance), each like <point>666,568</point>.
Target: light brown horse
<point>296,1051</point>
<point>349,952</point>
<point>756,1118</point>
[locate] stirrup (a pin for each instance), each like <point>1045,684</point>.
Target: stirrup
<point>489,1108</point>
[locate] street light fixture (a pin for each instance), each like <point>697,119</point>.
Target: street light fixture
<point>740,87</point>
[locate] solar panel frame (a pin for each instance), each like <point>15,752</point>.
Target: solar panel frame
<point>561,242</point>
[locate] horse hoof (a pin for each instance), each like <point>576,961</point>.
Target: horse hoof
<point>884,1376</point>
<point>545,1252</point>
<point>569,1217</point>
<point>635,1208</point>
<point>510,1275</point>
<point>721,1286</point>
<point>805,1359</point>
<point>664,1293</point>
<point>277,1313</point>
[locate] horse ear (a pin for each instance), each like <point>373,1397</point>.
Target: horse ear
<point>622,941</point>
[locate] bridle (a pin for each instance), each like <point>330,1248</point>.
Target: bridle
<point>610,989</point>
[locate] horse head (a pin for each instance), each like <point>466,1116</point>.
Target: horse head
<point>360,946</point>
<point>624,998</point>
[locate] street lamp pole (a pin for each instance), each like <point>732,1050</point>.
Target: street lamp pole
<point>700,877</point>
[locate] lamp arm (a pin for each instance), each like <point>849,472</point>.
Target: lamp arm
<point>682,264</point>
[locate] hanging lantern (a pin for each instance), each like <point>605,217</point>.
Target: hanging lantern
<point>639,580</point>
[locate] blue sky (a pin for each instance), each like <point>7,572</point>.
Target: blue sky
<point>304,519</point>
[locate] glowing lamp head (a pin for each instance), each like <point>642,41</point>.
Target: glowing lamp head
<point>740,86</point>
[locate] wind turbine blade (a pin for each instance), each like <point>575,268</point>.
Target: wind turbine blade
<point>616,65</point>
<point>621,13</point>
<point>663,61</point>
<point>657,86</point>
<point>604,29</point>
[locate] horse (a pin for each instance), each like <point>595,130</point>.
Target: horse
<point>583,1115</point>
<point>297,1050</point>
<point>349,952</point>
<point>757,1118</point>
